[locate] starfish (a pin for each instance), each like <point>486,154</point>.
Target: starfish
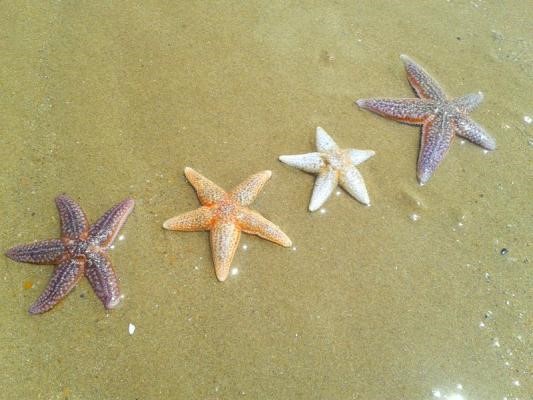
<point>80,251</point>
<point>333,166</point>
<point>441,118</point>
<point>225,215</point>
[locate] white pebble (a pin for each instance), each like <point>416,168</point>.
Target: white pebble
<point>414,217</point>
<point>131,329</point>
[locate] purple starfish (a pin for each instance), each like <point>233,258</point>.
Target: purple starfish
<point>441,119</point>
<point>81,250</point>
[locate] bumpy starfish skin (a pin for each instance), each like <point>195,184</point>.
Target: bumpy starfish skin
<point>226,215</point>
<point>333,166</point>
<point>441,119</point>
<point>81,250</point>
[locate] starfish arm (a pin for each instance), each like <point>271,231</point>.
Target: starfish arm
<point>468,129</point>
<point>102,277</point>
<point>310,162</point>
<point>65,277</point>
<point>195,220</point>
<point>224,241</point>
<point>409,111</point>
<point>325,182</point>
<point>104,231</point>
<point>437,135</point>
<point>246,192</point>
<point>324,142</point>
<point>42,252</point>
<point>73,220</point>
<point>255,224</point>
<point>352,181</point>
<point>469,102</point>
<point>357,157</point>
<point>208,192</point>
<point>424,85</point>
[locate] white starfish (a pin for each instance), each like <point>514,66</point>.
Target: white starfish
<point>333,166</point>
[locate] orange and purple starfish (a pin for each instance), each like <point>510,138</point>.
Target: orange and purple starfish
<point>80,251</point>
<point>441,118</point>
<point>225,215</point>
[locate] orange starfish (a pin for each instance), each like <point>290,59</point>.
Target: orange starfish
<point>225,215</point>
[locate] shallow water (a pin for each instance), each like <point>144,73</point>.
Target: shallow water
<point>410,298</point>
